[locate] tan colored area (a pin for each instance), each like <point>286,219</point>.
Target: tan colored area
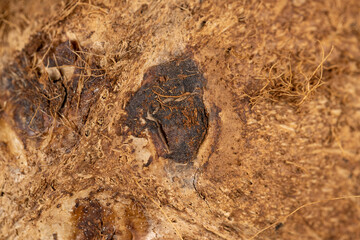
<point>281,158</point>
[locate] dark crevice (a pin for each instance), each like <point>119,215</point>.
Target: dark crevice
<point>163,134</point>
<point>65,97</point>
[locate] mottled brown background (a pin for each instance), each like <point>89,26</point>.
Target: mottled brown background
<point>281,158</point>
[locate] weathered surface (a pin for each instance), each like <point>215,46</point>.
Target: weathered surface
<point>93,221</point>
<point>99,112</point>
<point>170,106</point>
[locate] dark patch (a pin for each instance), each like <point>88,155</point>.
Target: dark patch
<point>55,237</point>
<point>202,24</point>
<point>92,220</point>
<point>30,116</point>
<point>63,54</point>
<point>142,9</point>
<point>278,226</point>
<point>170,101</point>
<point>37,43</point>
<point>149,161</point>
<point>39,101</point>
<point>64,98</point>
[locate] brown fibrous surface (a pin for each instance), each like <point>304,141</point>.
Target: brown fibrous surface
<point>104,134</point>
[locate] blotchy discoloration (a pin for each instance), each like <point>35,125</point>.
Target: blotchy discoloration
<point>48,86</point>
<point>170,101</point>
<point>92,220</point>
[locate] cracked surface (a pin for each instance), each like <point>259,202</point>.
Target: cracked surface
<point>170,102</point>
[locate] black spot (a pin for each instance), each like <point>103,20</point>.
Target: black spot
<point>278,226</point>
<point>142,9</point>
<point>202,24</point>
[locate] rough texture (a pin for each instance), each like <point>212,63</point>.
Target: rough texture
<point>276,154</point>
<point>171,105</point>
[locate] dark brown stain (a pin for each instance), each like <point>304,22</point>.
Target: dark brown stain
<point>93,221</point>
<point>170,105</point>
<point>38,100</point>
<point>37,43</point>
<point>63,54</point>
